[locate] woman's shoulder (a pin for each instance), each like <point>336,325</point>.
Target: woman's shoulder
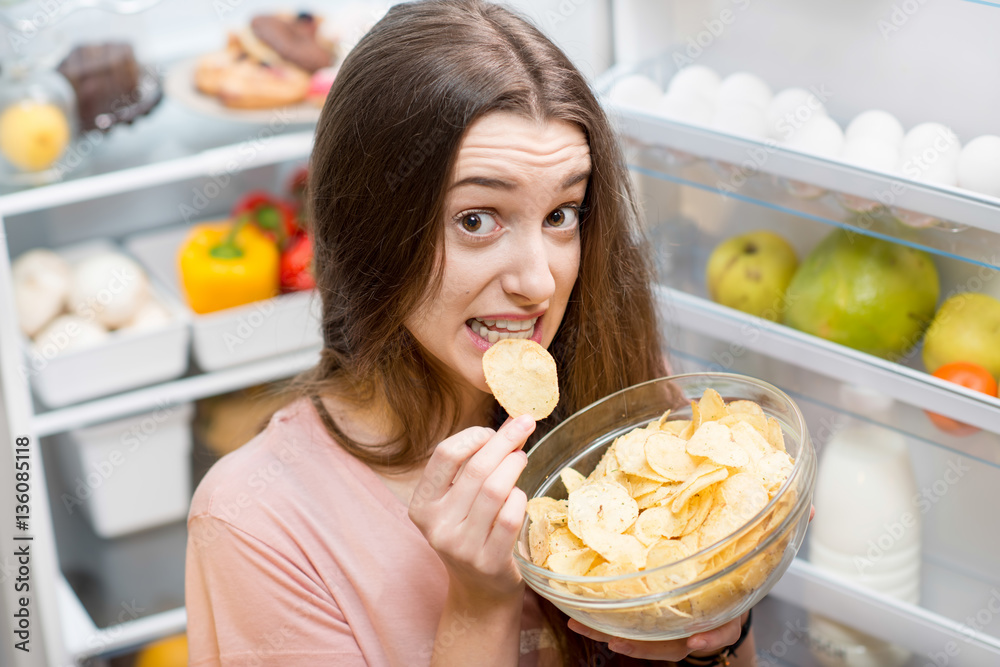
<point>291,460</point>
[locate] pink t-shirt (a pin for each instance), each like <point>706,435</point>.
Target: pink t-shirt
<point>298,554</point>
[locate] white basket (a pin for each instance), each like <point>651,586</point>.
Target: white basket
<point>125,360</point>
<point>132,473</point>
<point>238,335</point>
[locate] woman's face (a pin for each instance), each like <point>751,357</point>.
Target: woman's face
<point>511,241</point>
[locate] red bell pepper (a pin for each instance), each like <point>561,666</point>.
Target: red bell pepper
<point>296,271</point>
<point>274,216</point>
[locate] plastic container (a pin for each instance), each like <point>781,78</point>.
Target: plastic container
<point>622,605</point>
<point>130,474</point>
<point>867,527</point>
<point>125,360</point>
<point>233,336</point>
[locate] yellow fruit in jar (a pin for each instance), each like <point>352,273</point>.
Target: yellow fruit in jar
<point>169,652</point>
<point>33,134</point>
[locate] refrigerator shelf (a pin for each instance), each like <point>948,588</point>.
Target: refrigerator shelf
<point>908,385</point>
<point>136,165</point>
<point>83,639</point>
<point>968,244</point>
<point>922,629</point>
<point>190,388</point>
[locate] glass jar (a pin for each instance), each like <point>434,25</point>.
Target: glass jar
<point>38,125</point>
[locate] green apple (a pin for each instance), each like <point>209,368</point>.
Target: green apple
<point>750,272</point>
<point>965,328</point>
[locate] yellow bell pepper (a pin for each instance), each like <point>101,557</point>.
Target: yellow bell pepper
<point>227,264</point>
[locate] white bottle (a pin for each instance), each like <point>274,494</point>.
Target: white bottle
<point>867,526</point>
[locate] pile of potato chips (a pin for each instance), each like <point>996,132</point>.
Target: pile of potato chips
<point>664,492</point>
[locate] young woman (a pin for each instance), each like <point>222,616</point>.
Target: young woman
<point>465,187</point>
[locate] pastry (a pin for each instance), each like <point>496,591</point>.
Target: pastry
<point>251,85</point>
<point>294,40</point>
<point>110,86</point>
<point>269,64</point>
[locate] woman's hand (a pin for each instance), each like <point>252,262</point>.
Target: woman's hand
<point>674,650</point>
<point>468,508</point>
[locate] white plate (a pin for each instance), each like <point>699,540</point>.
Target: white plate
<point>179,85</point>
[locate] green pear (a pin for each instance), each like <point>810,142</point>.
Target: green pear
<point>750,272</point>
<point>866,293</point>
<point>965,328</point>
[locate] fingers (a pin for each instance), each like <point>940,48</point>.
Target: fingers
<point>713,640</point>
<point>678,649</point>
<point>812,512</point>
<point>494,493</point>
<point>500,543</point>
<point>447,460</point>
<point>481,466</point>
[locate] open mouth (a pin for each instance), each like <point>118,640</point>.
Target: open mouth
<point>497,330</point>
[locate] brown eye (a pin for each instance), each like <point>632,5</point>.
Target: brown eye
<point>478,223</point>
<point>564,217</point>
<point>472,222</point>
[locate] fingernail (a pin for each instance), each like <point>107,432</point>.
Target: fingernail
<point>697,644</point>
<point>524,423</point>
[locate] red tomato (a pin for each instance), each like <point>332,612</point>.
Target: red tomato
<point>968,375</point>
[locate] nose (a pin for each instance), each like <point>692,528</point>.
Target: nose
<point>529,271</point>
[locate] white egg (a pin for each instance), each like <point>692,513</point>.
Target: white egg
<point>744,87</point>
<point>871,153</point>
<point>687,109</point>
<point>67,333</point>
<point>979,165</point>
<point>108,287</point>
<point>820,136</point>
<point>930,153</point>
<point>635,90</point>
<point>877,124</point>
<point>790,108</point>
<point>695,81</point>
<point>740,118</point>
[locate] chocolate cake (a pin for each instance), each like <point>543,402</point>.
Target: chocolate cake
<point>110,86</point>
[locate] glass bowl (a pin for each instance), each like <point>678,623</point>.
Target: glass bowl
<point>735,573</point>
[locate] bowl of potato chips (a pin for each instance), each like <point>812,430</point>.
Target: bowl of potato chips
<point>668,508</point>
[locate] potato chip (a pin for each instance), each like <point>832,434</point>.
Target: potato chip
<point>562,539</point>
<point>698,510</point>
<point>539,532</point>
<point>775,435</point>
<point>575,562</point>
<point>630,451</point>
<point>660,496</point>
<point>522,376</point>
<point>607,469</point>
<point>679,427</point>
<point>751,441</point>
<point>715,442</point>
<point>625,550</point>
<point>774,470</point>
<point>571,479</point>
<point>640,486</point>
<point>665,552</point>
<point>703,477</point>
<point>603,505</point>
<point>657,522</point>
<point>667,455</point>
<point>711,406</point>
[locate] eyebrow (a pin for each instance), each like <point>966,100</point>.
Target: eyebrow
<point>500,184</point>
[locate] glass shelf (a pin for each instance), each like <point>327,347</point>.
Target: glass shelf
<point>975,245</point>
<point>172,144</point>
<point>942,219</point>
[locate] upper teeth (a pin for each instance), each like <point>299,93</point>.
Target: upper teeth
<point>514,328</point>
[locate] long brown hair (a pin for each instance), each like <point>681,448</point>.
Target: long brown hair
<point>385,148</point>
